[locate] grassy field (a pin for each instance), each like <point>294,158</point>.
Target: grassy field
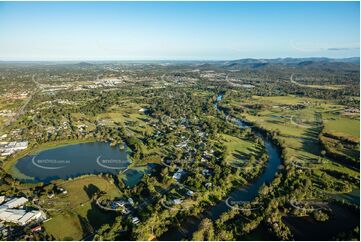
<point>327,87</point>
<point>298,130</point>
<point>126,114</point>
<point>239,150</point>
<point>71,228</point>
<point>346,149</point>
<point>287,100</point>
<point>342,126</point>
<point>76,211</point>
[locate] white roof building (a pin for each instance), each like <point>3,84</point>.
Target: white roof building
<point>19,216</point>
<point>12,147</point>
<point>22,145</point>
<point>4,215</point>
<point>178,174</point>
<point>16,202</point>
<point>30,216</point>
<point>15,215</point>
<point>190,193</point>
<point>135,220</point>
<point>11,144</point>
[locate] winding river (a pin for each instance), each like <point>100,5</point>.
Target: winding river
<point>190,224</point>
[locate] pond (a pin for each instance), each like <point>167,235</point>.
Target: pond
<point>131,177</point>
<point>71,161</point>
<point>307,229</point>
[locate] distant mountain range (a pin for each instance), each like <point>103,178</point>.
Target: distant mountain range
<point>248,62</point>
<point>353,60</point>
<point>306,63</point>
<point>325,63</point>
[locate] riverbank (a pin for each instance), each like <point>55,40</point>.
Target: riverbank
<point>244,193</point>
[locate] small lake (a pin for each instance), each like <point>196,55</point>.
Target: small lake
<point>73,160</point>
<point>307,229</point>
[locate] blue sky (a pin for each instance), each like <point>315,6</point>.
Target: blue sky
<point>177,30</point>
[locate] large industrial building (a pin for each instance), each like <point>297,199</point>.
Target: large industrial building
<point>12,212</point>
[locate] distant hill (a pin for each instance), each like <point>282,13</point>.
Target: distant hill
<point>353,60</point>
<point>308,63</point>
<point>247,63</point>
<point>84,64</point>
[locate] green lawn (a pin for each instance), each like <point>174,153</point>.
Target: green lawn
<point>77,212</point>
<point>343,126</point>
<point>288,100</point>
<point>299,134</point>
<point>71,228</point>
<point>239,149</point>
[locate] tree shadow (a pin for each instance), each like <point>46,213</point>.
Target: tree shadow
<point>98,217</point>
<point>91,190</point>
<point>239,155</point>
<point>310,142</point>
<point>85,226</point>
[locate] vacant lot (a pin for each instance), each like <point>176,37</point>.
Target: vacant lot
<point>76,211</point>
<point>297,123</point>
<point>240,150</point>
<point>342,126</point>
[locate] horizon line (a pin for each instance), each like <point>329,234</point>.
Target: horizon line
<point>171,60</point>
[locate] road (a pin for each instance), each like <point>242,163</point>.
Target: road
<point>22,108</point>
<point>292,81</point>
<point>151,200</point>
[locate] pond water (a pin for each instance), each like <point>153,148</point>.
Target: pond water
<point>351,197</point>
<point>133,176</point>
<point>73,160</point>
<point>307,229</point>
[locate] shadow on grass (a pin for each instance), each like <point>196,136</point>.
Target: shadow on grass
<point>98,217</point>
<point>91,190</point>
